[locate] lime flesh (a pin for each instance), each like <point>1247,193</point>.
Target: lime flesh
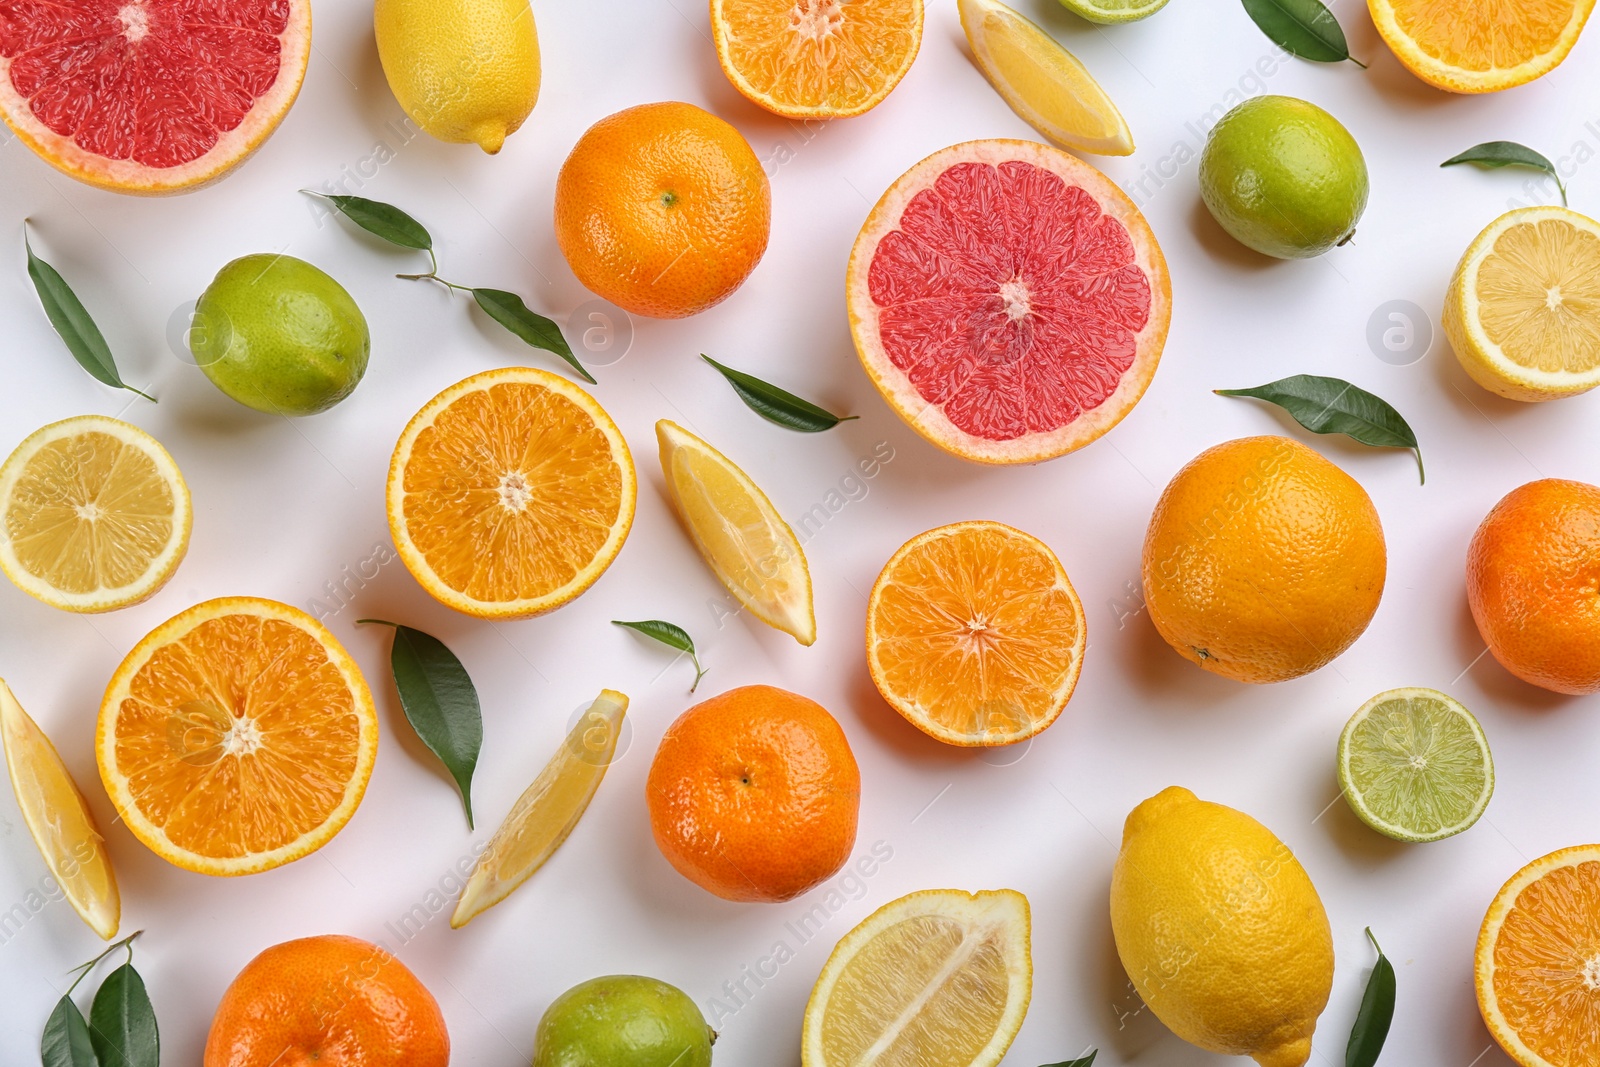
<point>278,335</point>
<point>1414,765</point>
<point>1284,177</point>
<point>623,1021</point>
<point>1108,12</point>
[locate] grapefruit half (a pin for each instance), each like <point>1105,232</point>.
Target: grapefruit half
<point>150,96</point>
<point>1008,301</point>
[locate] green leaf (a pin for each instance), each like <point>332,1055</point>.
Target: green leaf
<point>778,405</point>
<point>1305,28</point>
<point>671,635</point>
<point>73,322</point>
<point>1377,1012</point>
<point>66,1040</point>
<point>440,703</point>
<point>1082,1061</point>
<point>1495,154</point>
<point>509,311</point>
<point>122,1024</point>
<point>1332,405</point>
<point>381,220</point>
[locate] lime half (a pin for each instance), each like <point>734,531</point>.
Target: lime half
<point>1107,12</point>
<point>1414,765</point>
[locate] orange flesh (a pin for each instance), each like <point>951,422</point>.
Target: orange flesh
<point>833,54</point>
<point>1547,966</point>
<point>1488,35</point>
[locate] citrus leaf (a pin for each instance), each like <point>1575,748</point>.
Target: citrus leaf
<point>440,703</point>
<point>1081,1061</point>
<point>509,311</point>
<point>1377,1012</point>
<point>1304,28</point>
<point>74,323</point>
<point>1332,405</point>
<point>778,405</point>
<point>671,635</point>
<point>1495,154</point>
<point>66,1041</point>
<point>381,220</point>
<point>122,1024</point>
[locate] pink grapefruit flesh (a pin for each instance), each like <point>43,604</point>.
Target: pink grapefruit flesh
<point>150,96</point>
<point>1008,300</point>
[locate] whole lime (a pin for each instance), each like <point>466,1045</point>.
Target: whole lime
<point>623,1020</point>
<point>1284,177</point>
<point>278,335</point>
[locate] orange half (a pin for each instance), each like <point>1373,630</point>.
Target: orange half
<point>975,635</point>
<point>1538,961</point>
<point>510,493</point>
<point>816,59</point>
<point>236,737</point>
<point>1480,46</point>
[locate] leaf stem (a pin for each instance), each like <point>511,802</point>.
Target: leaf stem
<point>1357,62</point>
<point>1374,941</point>
<point>433,276</point>
<point>84,968</point>
<point>699,671</point>
<point>378,622</point>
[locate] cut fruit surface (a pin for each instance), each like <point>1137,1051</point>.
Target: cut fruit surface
<point>510,493</point>
<point>548,810</point>
<point>1008,301</point>
<point>96,515</point>
<point>1414,765</point>
<point>1468,46</point>
<point>1538,961</point>
<point>738,532</point>
<point>940,978</point>
<point>820,59</point>
<point>975,635</point>
<point>59,819</point>
<point>236,737</point>
<point>1110,12</point>
<point>150,96</point>
<point>1523,309</point>
<point>1044,83</point>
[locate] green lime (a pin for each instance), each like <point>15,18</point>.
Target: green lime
<point>623,1020</point>
<point>1284,177</point>
<point>1414,765</point>
<point>1107,12</point>
<point>278,335</point>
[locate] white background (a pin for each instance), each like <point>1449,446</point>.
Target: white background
<point>282,508</point>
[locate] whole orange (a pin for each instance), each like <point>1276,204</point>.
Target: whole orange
<point>663,209</point>
<point>1533,582</point>
<point>332,1001</point>
<point>754,794</point>
<point>1263,560</point>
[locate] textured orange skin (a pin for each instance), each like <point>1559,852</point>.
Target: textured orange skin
<point>1533,583</point>
<point>754,794</point>
<point>332,1001</point>
<point>1263,560</point>
<point>663,209</point>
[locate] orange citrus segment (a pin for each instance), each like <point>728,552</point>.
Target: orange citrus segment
<point>975,635</point>
<point>510,493</point>
<point>237,736</point>
<point>1538,961</point>
<point>816,58</point>
<point>1469,46</point>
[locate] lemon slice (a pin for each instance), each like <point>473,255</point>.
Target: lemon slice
<point>95,515</point>
<point>59,820</point>
<point>1111,12</point>
<point>548,810</point>
<point>939,978</point>
<point>1523,310</point>
<point>1043,82</point>
<point>740,534</point>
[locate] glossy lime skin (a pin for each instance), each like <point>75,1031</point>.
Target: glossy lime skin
<point>1284,177</point>
<point>623,1020</point>
<point>278,335</point>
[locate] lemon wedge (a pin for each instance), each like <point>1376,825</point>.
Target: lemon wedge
<point>739,533</point>
<point>940,978</point>
<point>548,810</point>
<point>59,819</point>
<point>1043,82</point>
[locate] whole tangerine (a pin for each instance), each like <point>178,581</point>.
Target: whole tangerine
<point>754,794</point>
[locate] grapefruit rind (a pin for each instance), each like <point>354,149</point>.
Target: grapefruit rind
<point>929,419</point>
<point>1452,78</point>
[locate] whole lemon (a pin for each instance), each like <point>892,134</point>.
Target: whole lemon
<point>1263,561</point>
<point>466,71</point>
<point>1220,929</point>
